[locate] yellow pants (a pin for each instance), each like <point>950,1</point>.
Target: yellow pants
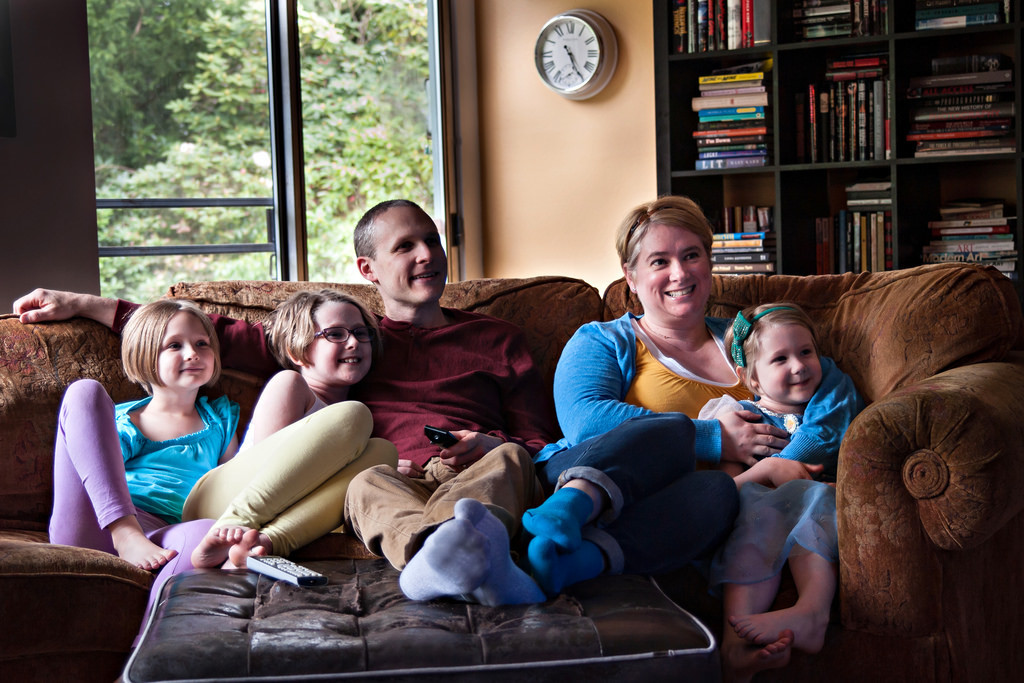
<point>292,485</point>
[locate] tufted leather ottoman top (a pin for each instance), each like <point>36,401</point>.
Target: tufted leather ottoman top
<point>221,625</point>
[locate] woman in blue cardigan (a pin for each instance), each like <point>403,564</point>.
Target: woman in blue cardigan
<point>627,494</point>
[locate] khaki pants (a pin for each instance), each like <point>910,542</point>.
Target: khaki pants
<point>393,514</point>
<point>292,485</point>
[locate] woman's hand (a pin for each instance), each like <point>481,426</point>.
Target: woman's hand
<point>471,447</point>
<point>774,472</point>
<point>745,438</point>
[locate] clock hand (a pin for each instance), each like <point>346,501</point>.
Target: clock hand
<point>572,60</point>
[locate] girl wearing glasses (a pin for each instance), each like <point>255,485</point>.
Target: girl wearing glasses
<point>265,503</point>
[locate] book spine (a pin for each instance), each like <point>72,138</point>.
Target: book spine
<point>956,22</point>
<point>735,162</point>
<point>702,25</point>
<point>878,113</point>
<point>747,23</point>
<point>733,24</point>
<point>960,11</point>
<point>680,39</point>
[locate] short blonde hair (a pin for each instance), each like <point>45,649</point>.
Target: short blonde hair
<point>784,313</point>
<point>673,211</point>
<point>143,337</point>
<point>291,328</point>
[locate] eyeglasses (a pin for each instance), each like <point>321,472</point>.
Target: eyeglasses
<point>340,335</point>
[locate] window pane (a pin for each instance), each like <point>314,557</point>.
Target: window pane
<point>148,277</point>
<point>180,110</point>
<point>364,74</point>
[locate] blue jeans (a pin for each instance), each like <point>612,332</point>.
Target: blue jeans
<point>663,513</point>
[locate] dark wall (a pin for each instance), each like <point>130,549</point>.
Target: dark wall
<point>47,184</point>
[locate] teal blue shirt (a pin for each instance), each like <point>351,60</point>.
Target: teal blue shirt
<point>161,473</point>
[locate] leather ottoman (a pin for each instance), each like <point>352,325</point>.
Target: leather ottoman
<point>229,625</point>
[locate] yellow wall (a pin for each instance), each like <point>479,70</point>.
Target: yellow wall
<point>557,175</point>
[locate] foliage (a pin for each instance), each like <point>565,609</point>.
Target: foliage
<point>363,68</point>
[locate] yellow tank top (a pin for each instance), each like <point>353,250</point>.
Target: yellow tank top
<point>657,388</point>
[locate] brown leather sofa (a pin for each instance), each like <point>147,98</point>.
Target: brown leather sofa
<point>930,490</point>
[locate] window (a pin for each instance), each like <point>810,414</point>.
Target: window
<point>200,171</point>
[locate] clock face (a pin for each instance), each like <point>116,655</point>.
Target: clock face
<point>575,53</point>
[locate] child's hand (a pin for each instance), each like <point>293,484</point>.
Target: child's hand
<point>471,447</point>
<point>410,469</point>
<point>775,472</point>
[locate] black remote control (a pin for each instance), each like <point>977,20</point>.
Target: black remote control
<point>441,437</point>
<point>284,569</point>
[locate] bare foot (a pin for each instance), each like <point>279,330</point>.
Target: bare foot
<point>212,550</point>
<point>808,627</point>
<point>252,542</point>
<point>741,660</point>
<point>132,545</point>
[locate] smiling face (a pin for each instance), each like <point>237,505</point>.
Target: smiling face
<point>329,366</point>
<point>672,276</point>
<point>186,359</point>
<point>786,370</point>
<point>408,264</point>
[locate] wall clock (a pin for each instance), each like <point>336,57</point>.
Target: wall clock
<point>576,53</point>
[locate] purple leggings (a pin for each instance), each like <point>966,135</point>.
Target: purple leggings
<point>90,489</point>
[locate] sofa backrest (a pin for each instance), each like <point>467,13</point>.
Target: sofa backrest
<point>885,330</point>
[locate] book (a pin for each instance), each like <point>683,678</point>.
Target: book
<point>960,89</point>
<point>966,223</point>
<point>741,257</point>
<point>733,23</point>
<point>981,230</point>
<point>961,21</point>
<point>734,162</point>
<point>971,78</point>
<point>730,244</point>
<point>963,111</point>
<point>731,78</point>
<point>730,140</point>
<point>719,128</point>
<point>725,153</point>
<point>723,102</point>
<point>989,7</point>
<point>737,268</point>
<point>680,37</point>
<point>967,256</point>
<point>756,235</point>
<point>960,64</point>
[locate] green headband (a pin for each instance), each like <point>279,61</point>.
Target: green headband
<point>741,330</point>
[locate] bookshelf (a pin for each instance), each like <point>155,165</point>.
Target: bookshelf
<point>800,191</point>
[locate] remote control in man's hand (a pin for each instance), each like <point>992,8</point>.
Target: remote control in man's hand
<point>284,569</point>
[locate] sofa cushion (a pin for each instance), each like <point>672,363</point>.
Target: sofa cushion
<point>885,330</point>
<point>84,607</point>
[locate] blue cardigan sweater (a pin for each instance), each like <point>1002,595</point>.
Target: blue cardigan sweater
<point>597,368</point>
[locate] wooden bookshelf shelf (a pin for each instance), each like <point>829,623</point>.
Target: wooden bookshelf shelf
<point>801,191</point>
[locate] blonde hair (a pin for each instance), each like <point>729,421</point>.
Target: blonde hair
<point>673,211</point>
<point>143,337</point>
<point>763,317</point>
<point>291,328</point>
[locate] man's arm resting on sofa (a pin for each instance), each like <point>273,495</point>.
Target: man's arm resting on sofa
<point>49,305</point>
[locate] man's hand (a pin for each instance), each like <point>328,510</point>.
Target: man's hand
<point>745,438</point>
<point>48,305</point>
<point>471,447</point>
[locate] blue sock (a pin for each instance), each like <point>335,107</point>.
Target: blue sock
<point>561,517</point>
<point>554,569</point>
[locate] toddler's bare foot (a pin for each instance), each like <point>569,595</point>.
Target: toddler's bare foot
<point>741,660</point>
<point>252,542</point>
<point>808,627</point>
<point>132,545</point>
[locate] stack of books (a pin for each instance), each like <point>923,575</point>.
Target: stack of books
<point>859,237</point>
<point>939,14</point>
<point>734,253</point>
<point>848,119</point>
<point>839,18</point>
<point>732,123</point>
<point>965,106</point>
<point>707,25</point>
<point>973,231</point>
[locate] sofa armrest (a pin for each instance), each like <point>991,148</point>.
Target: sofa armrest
<point>927,476</point>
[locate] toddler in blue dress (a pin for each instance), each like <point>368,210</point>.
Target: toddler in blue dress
<point>776,355</point>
